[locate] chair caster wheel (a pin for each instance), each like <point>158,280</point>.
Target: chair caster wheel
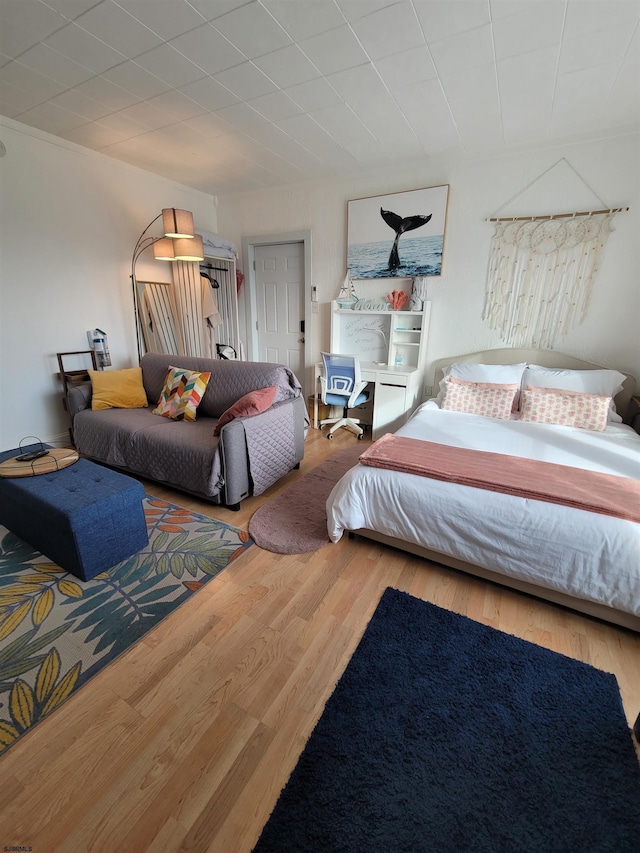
<point>330,436</point>
<point>322,426</point>
<point>360,437</point>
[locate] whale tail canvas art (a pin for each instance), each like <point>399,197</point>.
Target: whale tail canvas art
<point>400,225</point>
<point>419,215</point>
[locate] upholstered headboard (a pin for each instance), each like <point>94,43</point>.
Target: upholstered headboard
<point>545,358</point>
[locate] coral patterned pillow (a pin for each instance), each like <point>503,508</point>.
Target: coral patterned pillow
<point>181,394</point>
<point>479,398</point>
<point>565,408</point>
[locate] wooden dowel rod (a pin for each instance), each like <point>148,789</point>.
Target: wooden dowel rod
<point>555,215</point>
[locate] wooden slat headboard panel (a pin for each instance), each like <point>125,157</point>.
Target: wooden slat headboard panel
<point>545,358</point>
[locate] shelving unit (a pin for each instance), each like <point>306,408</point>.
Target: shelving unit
<point>381,337</point>
<point>392,349</point>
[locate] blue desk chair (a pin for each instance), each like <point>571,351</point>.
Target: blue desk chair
<point>342,385</point>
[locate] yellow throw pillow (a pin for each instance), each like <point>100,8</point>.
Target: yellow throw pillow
<point>117,389</point>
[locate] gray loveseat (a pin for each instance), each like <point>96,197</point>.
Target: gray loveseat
<point>250,454</point>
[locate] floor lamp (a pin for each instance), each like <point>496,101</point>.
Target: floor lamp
<point>178,243</point>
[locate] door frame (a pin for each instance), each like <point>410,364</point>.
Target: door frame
<point>249,245</point>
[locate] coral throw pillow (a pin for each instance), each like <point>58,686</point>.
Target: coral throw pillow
<point>479,398</point>
<point>117,389</point>
<point>181,394</point>
<point>565,408</point>
<point>251,404</point>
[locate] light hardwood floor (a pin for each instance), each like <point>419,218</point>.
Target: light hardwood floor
<point>185,742</point>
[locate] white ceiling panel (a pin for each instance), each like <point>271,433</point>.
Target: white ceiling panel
<point>209,49</point>
<point>302,20</point>
<point>246,81</point>
<point>407,68</point>
<point>574,107</point>
<point>70,9</point>
<point>177,105</point>
<point>275,106</point>
<point>169,65</point>
<point>314,95</point>
<point>592,49</point>
<point>245,118</point>
<point>475,107</point>
<point>51,63</point>
<point>430,116</point>
<point>463,52</point>
<point>253,30</point>
<point>26,24</point>
<point>343,125</point>
<point>39,85</point>
<point>297,89</point>
<point>353,10</point>
<point>91,109</point>
<point>334,50</point>
<point>166,18</point>
<point>442,19</point>
<point>209,94</point>
<point>389,31</point>
<point>82,47</point>
<point>540,26</point>
<point>151,117</point>
<point>111,24</point>
<point>211,9</point>
<point>135,79</point>
<point>16,99</point>
<point>596,15</point>
<point>210,125</point>
<point>52,119</point>
<point>111,94</point>
<point>93,135</point>
<point>315,139</point>
<point>287,66</point>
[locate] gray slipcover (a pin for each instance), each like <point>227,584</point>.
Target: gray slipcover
<point>250,454</point>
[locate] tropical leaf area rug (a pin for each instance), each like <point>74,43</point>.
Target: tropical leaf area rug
<point>56,632</point>
<point>446,735</point>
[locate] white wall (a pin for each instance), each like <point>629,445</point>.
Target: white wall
<point>69,220</point>
<point>610,168</point>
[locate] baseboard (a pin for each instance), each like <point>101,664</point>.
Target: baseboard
<point>61,440</point>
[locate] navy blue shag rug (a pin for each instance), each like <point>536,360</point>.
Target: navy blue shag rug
<point>446,735</point>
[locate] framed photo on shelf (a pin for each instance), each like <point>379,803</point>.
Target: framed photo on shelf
<point>397,235</point>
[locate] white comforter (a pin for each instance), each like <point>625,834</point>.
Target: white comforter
<point>584,554</point>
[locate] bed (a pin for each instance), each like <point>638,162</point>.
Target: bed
<point>585,560</point>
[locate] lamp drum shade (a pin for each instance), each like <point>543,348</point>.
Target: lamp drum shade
<point>177,222</point>
<point>163,249</point>
<point>189,250</point>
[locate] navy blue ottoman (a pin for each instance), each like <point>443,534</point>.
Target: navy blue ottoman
<point>85,518</point>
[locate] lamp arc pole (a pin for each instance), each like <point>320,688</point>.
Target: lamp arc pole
<point>172,246</point>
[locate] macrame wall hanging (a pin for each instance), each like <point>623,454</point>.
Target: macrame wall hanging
<point>541,270</point>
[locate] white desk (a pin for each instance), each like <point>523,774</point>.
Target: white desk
<point>396,393</point>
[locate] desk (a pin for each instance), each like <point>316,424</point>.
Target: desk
<point>396,393</point>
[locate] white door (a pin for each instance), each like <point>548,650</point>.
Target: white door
<point>279,279</point>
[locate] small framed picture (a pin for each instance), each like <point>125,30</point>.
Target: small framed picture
<point>397,235</point>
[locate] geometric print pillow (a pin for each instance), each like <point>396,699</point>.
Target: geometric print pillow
<point>565,408</point>
<point>479,398</point>
<point>181,394</point>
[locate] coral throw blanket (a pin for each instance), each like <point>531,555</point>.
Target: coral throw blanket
<point>527,478</point>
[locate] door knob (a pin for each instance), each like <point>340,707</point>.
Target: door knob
<point>300,340</point>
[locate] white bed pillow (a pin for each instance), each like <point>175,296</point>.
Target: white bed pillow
<point>606,383</point>
<point>495,374</point>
